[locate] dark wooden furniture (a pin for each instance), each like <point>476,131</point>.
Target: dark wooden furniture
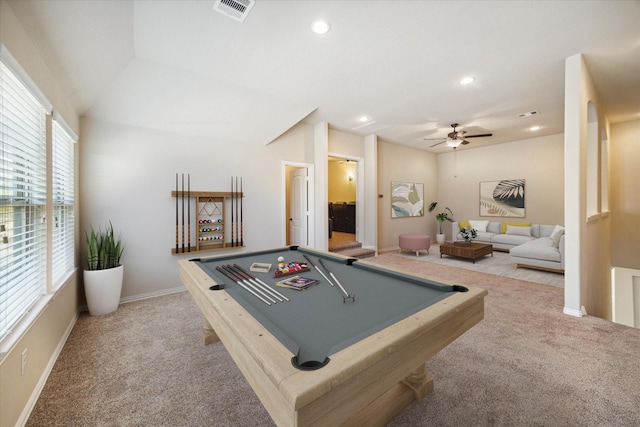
<point>473,251</point>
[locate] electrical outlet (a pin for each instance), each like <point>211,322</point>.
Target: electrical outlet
<point>24,361</point>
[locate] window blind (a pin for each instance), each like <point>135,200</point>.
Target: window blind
<point>22,198</point>
<point>63,191</point>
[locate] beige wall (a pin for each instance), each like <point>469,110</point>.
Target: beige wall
<point>43,341</point>
<point>625,194</point>
<point>341,189</point>
<point>587,241</point>
<point>397,163</point>
<point>538,160</point>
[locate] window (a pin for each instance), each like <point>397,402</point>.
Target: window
<point>63,196</point>
<point>32,194</point>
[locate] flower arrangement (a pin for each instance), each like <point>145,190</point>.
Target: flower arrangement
<point>468,233</point>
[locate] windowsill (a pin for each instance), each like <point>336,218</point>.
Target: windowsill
<point>598,217</point>
<point>21,328</point>
<point>18,331</point>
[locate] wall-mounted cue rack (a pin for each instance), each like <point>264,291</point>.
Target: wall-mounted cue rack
<point>217,219</point>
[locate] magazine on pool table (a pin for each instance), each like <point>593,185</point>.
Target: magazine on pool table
<point>298,283</point>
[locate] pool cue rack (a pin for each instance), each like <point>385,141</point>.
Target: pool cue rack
<point>213,224</point>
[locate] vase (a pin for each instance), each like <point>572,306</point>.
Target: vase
<point>102,289</point>
<point>440,238</point>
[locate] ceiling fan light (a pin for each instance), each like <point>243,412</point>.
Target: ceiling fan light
<point>454,143</point>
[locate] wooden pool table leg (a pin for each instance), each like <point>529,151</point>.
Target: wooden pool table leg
<point>420,382</point>
<point>209,336</point>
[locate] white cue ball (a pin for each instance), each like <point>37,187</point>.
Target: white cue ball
<point>280,259</point>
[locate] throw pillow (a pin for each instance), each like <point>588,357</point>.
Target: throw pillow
<point>558,232</point>
<point>479,225</point>
<point>463,224</point>
<point>519,231</point>
<point>515,224</point>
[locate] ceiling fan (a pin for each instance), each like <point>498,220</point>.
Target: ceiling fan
<point>456,138</point>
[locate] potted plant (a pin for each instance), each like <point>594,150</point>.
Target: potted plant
<point>468,234</point>
<point>103,273</point>
<point>442,217</point>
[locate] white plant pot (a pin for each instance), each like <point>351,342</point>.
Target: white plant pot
<point>102,289</point>
<point>440,238</point>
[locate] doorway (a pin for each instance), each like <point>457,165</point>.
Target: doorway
<point>342,184</point>
<point>298,192</point>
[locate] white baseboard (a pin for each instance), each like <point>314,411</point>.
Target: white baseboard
<point>152,294</point>
<point>572,312</point>
<point>147,295</point>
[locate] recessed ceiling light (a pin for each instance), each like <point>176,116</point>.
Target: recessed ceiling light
<point>467,80</point>
<point>363,119</point>
<point>320,26</point>
<point>534,128</point>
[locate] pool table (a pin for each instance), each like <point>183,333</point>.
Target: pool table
<point>319,358</point>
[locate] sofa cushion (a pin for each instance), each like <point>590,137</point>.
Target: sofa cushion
<point>479,225</point>
<point>546,230</point>
<point>511,239</point>
<point>558,231</point>
<point>537,249</point>
<point>484,237</point>
<point>464,224</point>
<point>493,227</point>
<point>503,230</point>
<point>519,231</point>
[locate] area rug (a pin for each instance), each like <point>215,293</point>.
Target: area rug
<point>499,264</point>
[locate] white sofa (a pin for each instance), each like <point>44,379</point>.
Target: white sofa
<point>530,246</point>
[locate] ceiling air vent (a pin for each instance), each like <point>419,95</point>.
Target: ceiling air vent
<point>527,114</point>
<point>234,9</point>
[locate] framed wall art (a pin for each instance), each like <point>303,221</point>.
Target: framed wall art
<point>502,198</point>
<point>406,199</point>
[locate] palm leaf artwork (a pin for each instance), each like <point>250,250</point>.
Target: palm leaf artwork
<point>502,198</point>
<point>406,199</point>
<point>103,251</point>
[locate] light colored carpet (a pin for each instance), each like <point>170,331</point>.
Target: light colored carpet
<point>500,265</point>
<point>525,364</point>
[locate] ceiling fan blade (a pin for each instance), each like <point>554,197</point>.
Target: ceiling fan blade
<point>441,142</point>
<point>479,136</point>
<point>464,142</point>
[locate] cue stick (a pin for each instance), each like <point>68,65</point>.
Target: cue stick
<point>259,282</point>
<point>316,267</point>
<point>256,287</point>
<point>241,197</point>
<point>233,277</point>
<point>237,233</point>
<point>182,213</point>
<point>177,227</point>
<point>233,242</point>
<point>346,294</point>
<point>189,212</point>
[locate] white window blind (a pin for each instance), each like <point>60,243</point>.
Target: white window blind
<point>22,198</point>
<point>63,191</point>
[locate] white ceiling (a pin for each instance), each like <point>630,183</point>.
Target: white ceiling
<point>180,66</point>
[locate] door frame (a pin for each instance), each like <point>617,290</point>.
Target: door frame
<point>310,200</point>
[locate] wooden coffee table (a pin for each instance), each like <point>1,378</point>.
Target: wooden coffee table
<point>472,251</point>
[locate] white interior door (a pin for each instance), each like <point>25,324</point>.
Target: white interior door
<point>299,220</point>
